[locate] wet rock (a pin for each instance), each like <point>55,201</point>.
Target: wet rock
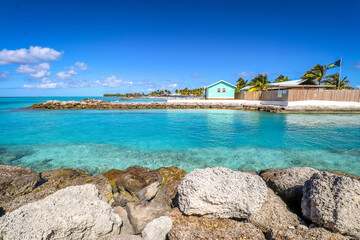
<point>333,201</point>
<point>221,193</point>
<point>170,174</point>
<point>76,212</point>
<point>140,214</point>
<point>288,183</point>
<point>126,228</point>
<point>191,227</point>
<point>157,228</point>
<point>304,234</point>
<point>274,215</point>
<point>149,192</point>
<point>15,181</point>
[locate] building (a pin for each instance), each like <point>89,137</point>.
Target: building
<point>293,84</point>
<point>220,90</point>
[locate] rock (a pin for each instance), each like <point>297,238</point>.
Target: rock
<point>167,193</point>
<point>157,229</point>
<point>304,234</point>
<point>170,174</point>
<point>191,227</point>
<point>140,214</point>
<point>126,228</point>
<point>15,181</point>
<point>149,192</point>
<point>76,212</point>
<point>274,215</point>
<point>288,183</point>
<point>121,237</point>
<point>119,200</point>
<point>221,193</point>
<point>333,201</point>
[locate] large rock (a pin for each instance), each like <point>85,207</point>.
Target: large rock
<point>304,234</point>
<point>288,183</point>
<point>16,181</point>
<point>221,193</point>
<point>149,192</point>
<point>333,202</point>
<point>157,228</point>
<point>140,214</point>
<point>76,212</point>
<point>190,227</point>
<point>274,215</point>
<point>126,228</point>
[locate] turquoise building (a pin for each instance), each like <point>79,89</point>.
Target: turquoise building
<point>220,90</point>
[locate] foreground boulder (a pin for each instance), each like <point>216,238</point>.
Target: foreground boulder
<point>76,212</point>
<point>288,183</point>
<point>16,181</point>
<point>191,227</point>
<point>304,234</point>
<point>157,228</point>
<point>333,202</point>
<point>221,193</point>
<point>274,215</point>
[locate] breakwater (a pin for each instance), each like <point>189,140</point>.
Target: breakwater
<point>247,106</point>
<point>169,203</point>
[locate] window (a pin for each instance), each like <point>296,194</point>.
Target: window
<point>224,90</point>
<point>219,90</point>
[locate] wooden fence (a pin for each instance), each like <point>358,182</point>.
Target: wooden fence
<point>302,95</point>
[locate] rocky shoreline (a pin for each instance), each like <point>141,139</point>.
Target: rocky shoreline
<point>168,203</point>
<point>104,105</point>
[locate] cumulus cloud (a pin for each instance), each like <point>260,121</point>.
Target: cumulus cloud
<point>196,75</point>
<point>357,66</point>
<point>112,81</point>
<point>26,56</point>
<point>34,71</point>
<point>66,74</point>
<point>4,75</point>
<point>80,66</point>
<point>252,74</point>
<point>172,86</point>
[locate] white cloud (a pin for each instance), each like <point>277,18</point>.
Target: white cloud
<point>34,71</point>
<point>196,75</point>
<point>356,66</point>
<point>26,56</point>
<point>66,74</point>
<point>170,86</point>
<point>81,66</point>
<point>112,81</point>
<point>244,74</point>
<point>4,75</point>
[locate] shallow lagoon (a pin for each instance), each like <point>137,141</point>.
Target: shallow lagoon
<point>98,140</point>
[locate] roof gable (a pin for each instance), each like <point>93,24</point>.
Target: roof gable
<point>222,82</point>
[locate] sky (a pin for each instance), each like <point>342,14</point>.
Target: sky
<point>88,48</point>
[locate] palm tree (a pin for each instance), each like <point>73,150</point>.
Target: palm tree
<point>260,77</point>
<point>240,84</point>
<point>316,73</point>
<point>281,78</point>
<point>334,80</point>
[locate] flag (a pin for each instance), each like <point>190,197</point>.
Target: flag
<point>337,63</point>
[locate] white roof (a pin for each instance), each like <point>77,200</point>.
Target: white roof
<point>221,81</point>
<point>286,83</point>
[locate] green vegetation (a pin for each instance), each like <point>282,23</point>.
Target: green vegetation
<point>281,78</point>
<point>240,83</point>
<point>183,92</point>
<point>334,80</point>
<point>316,73</point>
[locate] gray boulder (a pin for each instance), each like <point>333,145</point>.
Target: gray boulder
<point>157,229</point>
<point>16,181</point>
<point>288,183</point>
<point>149,192</point>
<point>140,214</point>
<point>76,212</point>
<point>221,193</point>
<point>333,202</point>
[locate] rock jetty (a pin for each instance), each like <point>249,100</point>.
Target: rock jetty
<point>247,106</point>
<point>168,203</point>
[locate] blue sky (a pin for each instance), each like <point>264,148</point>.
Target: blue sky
<point>87,48</point>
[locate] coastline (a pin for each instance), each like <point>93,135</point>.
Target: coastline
<point>228,104</point>
<point>209,203</point>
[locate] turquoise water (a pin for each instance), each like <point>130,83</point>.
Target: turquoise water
<point>98,140</point>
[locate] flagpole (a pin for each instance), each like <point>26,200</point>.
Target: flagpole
<point>340,73</point>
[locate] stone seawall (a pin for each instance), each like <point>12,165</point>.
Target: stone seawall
<point>103,105</point>
<point>167,203</point>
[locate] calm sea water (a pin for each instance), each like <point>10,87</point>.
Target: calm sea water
<point>98,140</point>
